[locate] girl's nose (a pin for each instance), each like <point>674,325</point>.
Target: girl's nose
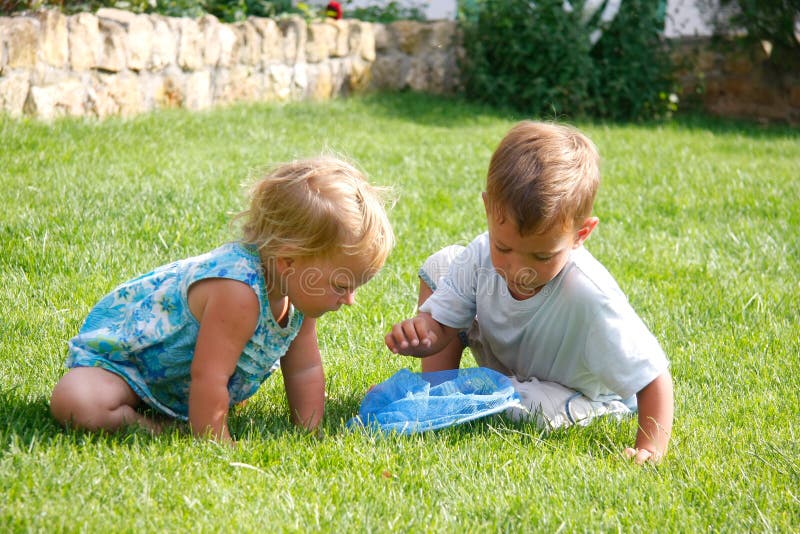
<point>348,298</point>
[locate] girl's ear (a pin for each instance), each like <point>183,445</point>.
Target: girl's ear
<point>283,264</point>
<point>586,229</point>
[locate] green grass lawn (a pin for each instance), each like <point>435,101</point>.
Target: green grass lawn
<point>698,224</point>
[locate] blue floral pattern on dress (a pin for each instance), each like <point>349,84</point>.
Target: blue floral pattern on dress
<point>144,332</point>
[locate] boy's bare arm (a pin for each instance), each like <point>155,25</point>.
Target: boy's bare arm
<point>656,407</point>
<point>419,336</point>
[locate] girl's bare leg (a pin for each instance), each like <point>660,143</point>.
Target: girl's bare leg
<point>92,398</point>
<point>450,356</point>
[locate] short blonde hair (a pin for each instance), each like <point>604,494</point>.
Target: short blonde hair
<point>542,175</point>
<point>318,207</point>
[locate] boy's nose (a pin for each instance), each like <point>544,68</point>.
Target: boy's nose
<point>520,275</point>
<point>511,269</point>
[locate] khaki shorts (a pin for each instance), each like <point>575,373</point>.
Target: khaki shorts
<point>549,404</point>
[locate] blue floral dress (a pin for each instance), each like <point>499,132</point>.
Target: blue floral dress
<point>144,332</point>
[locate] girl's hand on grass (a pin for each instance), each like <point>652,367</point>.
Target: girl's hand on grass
<point>642,456</point>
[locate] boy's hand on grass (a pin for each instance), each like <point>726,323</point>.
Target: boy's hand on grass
<point>412,337</point>
<point>642,456</point>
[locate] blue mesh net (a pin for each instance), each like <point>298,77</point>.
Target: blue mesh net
<point>415,402</point>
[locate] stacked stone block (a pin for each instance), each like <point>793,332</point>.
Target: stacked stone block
<point>418,56</point>
<point>736,81</point>
<point>119,63</point>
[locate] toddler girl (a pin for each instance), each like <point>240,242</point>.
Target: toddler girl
<point>192,338</point>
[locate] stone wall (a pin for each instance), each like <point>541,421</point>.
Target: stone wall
<point>731,81</point>
<point>120,63</point>
<point>417,56</point>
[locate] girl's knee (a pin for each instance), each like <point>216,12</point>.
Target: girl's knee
<point>73,403</point>
<point>86,398</point>
<point>65,402</point>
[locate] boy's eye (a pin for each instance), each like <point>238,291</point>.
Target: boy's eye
<point>538,257</point>
<point>500,249</point>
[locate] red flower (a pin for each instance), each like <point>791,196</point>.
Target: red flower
<point>333,10</point>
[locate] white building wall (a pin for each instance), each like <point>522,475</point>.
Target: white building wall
<point>690,18</point>
<point>684,17</point>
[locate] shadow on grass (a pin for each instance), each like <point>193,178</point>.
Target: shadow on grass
<point>258,421</point>
<point>433,110</point>
<point>28,420</point>
<point>450,111</point>
<point>340,411</point>
<point>603,438</point>
<point>698,122</point>
<point>27,423</point>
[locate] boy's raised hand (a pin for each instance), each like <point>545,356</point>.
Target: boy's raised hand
<point>414,337</point>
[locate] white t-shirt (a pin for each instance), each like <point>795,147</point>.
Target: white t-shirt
<point>579,330</point>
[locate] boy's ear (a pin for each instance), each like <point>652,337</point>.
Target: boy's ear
<point>492,213</point>
<point>585,230</point>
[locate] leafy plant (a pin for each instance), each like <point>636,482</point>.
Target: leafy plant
<point>180,8</point>
<point>775,21</point>
<point>11,6</point>
<point>538,58</point>
<point>389,12</point>
<point>225,10</point>
<point>632,68</point>
<point>533,57</point>
<point>236,10</point>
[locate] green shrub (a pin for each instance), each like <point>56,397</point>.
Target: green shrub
<point>225,10</point>
<point>234,10</point>
<point>538,59</point>
<point>532,57</point>
<point>389,12</point>
<point>767,20</point>
<point>632,68</point>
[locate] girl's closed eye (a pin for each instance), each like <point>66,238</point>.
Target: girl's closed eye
<point>341,290</point>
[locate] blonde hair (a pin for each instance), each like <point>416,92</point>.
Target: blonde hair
<point>318,207</point>
<point>542,175</point>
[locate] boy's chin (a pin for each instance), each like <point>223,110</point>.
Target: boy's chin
<point>522,293</point>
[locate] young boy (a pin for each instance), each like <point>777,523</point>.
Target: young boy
<point>532,303</point>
